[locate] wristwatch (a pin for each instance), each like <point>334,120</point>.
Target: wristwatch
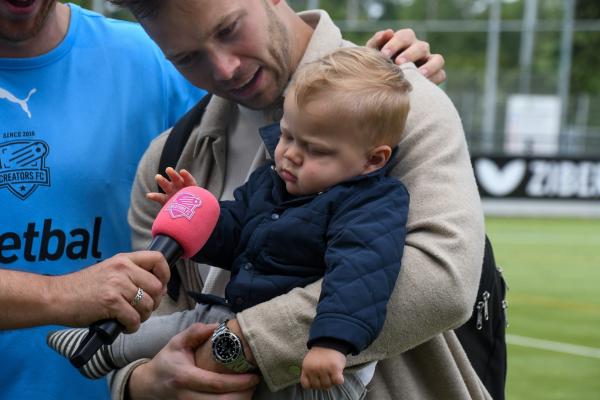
<point>227,349</point>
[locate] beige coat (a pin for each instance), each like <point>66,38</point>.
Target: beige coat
<point>435,292</point>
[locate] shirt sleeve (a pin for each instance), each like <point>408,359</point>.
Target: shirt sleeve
<point>365,242</point>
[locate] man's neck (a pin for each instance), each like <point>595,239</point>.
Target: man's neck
<point>302,33</point>
<point>49,37</point>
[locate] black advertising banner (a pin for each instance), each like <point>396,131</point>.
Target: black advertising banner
<point>537,178</point>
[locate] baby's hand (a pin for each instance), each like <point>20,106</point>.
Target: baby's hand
<point>176,182</point>
<point>322,368</point>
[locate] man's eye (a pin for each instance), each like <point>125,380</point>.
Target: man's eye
<point>186,60</point>
<point>228,30</point>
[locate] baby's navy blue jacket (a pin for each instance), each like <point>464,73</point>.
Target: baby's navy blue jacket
<point>352,235</point>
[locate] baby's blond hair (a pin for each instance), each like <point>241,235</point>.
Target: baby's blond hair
<point>361,85</point>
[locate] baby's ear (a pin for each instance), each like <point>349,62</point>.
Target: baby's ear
<point>377,158</point>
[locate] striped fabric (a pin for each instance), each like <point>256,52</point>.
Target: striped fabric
<point>66,341</point>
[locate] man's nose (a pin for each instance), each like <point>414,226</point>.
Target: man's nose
<point>224,66</point>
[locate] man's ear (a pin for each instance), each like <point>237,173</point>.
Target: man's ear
<point>377,158</point>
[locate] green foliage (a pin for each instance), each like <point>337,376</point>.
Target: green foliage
<point>118,13</point>
<point>585,51</point>
<point>587,9</point>
<point>584,78</point>
<point>83,3</point>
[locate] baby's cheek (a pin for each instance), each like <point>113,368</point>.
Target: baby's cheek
<point>313,174</point>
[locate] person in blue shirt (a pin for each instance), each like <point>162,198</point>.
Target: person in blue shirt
<point>80,95</point>
<point>324,207</point>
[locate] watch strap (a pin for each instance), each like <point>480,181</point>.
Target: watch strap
<point>239,364</point>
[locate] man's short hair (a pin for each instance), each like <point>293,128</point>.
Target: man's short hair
<point>361,85</point>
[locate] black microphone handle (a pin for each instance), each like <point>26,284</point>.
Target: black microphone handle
<point>168,247</point>
<point>106,331</point>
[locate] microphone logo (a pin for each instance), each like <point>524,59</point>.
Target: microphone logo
<point>184,206</point>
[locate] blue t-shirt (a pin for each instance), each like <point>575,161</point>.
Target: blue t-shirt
<point>73,125</point>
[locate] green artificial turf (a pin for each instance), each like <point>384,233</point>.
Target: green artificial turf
<point>553,271</point>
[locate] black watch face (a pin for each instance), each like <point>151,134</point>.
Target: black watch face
<point>226,347</point>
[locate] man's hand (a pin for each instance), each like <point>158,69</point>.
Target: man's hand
<point>403,46</point>
<point>322,368</point>
<point>172,374</point>
<point>106,290</point>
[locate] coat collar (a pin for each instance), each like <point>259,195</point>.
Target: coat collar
<point>270,137</point>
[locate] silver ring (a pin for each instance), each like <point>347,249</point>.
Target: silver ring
<point>138,297</point>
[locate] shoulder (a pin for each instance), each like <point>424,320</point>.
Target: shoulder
<point>369,194</point>
<point>115,34</point>
<point>261,176</point>
<point>383,191</point>
<point>389,184</point>
<point>110,26</point>
<point>374,207</point>
<point>426,98</point>
<point>151,158</point>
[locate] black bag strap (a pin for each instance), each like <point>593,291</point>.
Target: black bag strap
<point>483,336</point>
<point>171,152</point>
<point>180,134</point>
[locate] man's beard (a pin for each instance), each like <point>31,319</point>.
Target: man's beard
<point>279,50</point>
<point>8,33</point>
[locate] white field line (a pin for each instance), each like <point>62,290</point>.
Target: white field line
<point>542,238</point>
<point>553,346</point>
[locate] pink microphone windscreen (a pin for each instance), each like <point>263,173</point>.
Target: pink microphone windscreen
<point>189,218</point>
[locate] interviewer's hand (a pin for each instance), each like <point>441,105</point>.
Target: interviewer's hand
<point>404,46</point>
<point>105,290</point>
<point>172,374</point>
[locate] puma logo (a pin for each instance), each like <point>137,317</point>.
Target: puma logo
<point>5,94</point>
<point>500,182</point>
